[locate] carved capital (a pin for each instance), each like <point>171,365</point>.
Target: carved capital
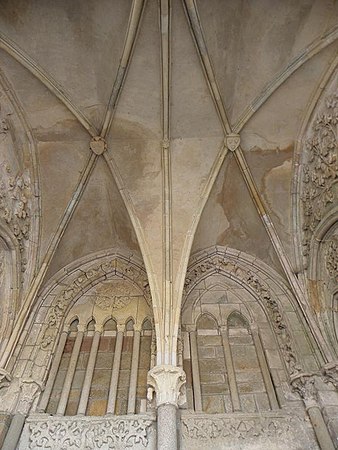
<point>330,373</point>
<point>98,145</point>
<point>232,141</point>
<point>304,384</point>
<point>5,378</point>
<point>167,381</point>
<point>19,395</point>
<point>29,392</point>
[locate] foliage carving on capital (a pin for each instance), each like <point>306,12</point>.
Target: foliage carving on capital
<point>167,381</point>
<point>330,373</point>
<point>305,385</point>
<point>18,395</point>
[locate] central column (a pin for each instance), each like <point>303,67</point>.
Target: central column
<point>166,381</point>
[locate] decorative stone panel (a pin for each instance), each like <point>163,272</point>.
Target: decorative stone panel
<point>247,431</point>
<point>73,433</point>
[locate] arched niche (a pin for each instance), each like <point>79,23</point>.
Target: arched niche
<point>323,276</point>
<point>91,323</point>
<point>252,307</point>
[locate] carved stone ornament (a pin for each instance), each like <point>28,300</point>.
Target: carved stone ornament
<point>221,263</point>
<point>15,205</point>
<point>331,258</point>
<point>167,382</point>
<point>210,429</point>
<point>116,265</point>
<point>232,142</point>
<point>89,433</point>
<point>320,171</point>
<point>19,395</point>
<point>330,373</point>
<point>98,145</point>
<point>112,296</point>
<point>304,384</point>
<point>5,378</point>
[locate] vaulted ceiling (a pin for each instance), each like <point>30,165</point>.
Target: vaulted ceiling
<point>165,89</point>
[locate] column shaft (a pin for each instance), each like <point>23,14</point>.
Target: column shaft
<point>89,374</point>
<point>236,404</point>
<point>70,374</point>
<point>265,371</point>
<point>195,371</point>
<point>166,427</point>
<point>14,432</point>
<point>115,373</point>
<point>53,372</point>
<point>320,428</point>
<point>134,372</point>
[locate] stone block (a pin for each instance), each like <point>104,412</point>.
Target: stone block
<point>104,361</point>
<point>206,341</point>
<point>213,404</point>
<point>262,402</point>
<point>206,352</point>
<point>97,408</point>
<point>101,378</point>
<point>212,366</point>
<point>207,377</point>
<point>244,357</point>
<point>217,389</point>
<point>248,403</point>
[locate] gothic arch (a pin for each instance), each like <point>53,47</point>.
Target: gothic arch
<point>61,294</point>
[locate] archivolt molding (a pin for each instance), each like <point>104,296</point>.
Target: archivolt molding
<point>19,186</point>
<point>261,281</point>
<point>68,285</point>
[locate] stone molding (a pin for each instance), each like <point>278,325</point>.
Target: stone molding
<point>167,381</point>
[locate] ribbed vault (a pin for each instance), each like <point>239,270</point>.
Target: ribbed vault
<point>163,127</point>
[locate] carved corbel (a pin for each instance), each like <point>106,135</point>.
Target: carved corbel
<point>167,381</point>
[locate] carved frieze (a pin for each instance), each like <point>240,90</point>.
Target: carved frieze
<point>80,433</point>
<point>241,428</point>
<point>320,170</point>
